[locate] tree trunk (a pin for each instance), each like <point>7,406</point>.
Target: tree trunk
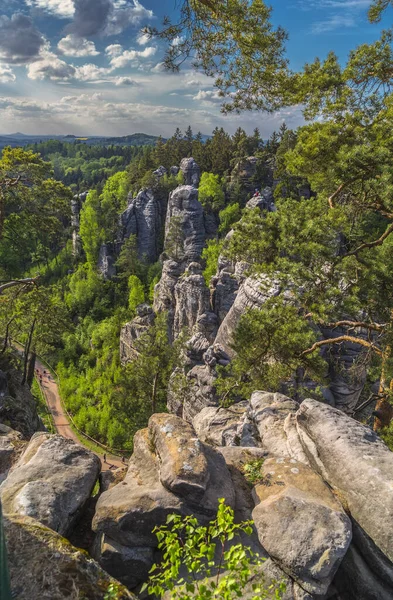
<point>383,409</point>
<point>31,369</point>
<point>7,335</point>
<point>27,351</point>
<point>154,394</point>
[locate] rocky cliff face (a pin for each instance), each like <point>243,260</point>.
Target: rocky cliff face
<point>145,218</point>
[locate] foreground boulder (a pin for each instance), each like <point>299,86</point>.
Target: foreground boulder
<point>300,523</point>
<point>51,482</point>
<point>170,471</point>
<point>354,461</point>
<point>45,566</point>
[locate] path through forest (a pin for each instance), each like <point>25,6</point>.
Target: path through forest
<point>51,394</point>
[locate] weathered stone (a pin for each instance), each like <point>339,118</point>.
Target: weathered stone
<point>300,523</point>
<point>184,205</point>
<point>183,465</point>
<point>264,200</point>
<point>18,410</point>
<point>201,391</point>
<point>174,170</point>
<point>45,566</point>
<point>128,512</point>
<point>359,466</point>
<point>145,218</point>
<point>128,565</point>
<point>225,426</point>
<point>51,482</point>
<point>108,479</point>
<point>269,411</point>
<point>253,293</point>
<point>11,446</point>
<point>106,261</point>
<point>191,172</point>
<point>160,172</point>
<point>192,299</point>
<point>133,330</point>
<point>226,287</point>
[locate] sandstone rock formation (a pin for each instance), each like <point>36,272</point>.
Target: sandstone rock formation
<point>76,207</point>
<point>145,218</point>
<point>18,408</point>
<point>106,261</point>
<point>133,330</point>
<point>300,523</point>
<point>184,205</point>
<point>51,482</point>
<point>191,172</point>
<point>45,566</point>
<point>358,466</point>
<point>170,471</point>
<point>11,446</point>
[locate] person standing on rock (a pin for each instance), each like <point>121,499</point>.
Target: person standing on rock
<point>104,458</point>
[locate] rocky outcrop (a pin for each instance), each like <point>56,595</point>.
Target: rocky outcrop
<point>269,412</point>
<point>185,208</point>
<point>51,482</point>
<point>132,331</point>
<point>358,466</point>
<point>44,565</point>
<point>170,471</point>
<point>106,261</point>
<point>300,523</point>
<point>76,207</point>
<point>253,293</point>
<point>226,426</point>
<point>191,172</point>
<point>145,218</point>
<point>11,446</point>
<point>192,299</point>
<point>263,200</point>
<point>18,408</point>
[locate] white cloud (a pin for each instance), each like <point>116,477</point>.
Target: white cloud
<point>61,8</point>
<point>143,39</point>
<point>124,81</point>
<point>208,96</point>
<point>93,114</point>
<point>90,72</point>
<point>114,49</point>
<point>128,56</point>
<point>6,74</point>
<point>72,45</point>
<point>50,66</point>
<point>177,40</point>
<point>158,68</point>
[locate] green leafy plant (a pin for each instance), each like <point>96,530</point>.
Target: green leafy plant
<point>252,471</point>
<point>216,567</point>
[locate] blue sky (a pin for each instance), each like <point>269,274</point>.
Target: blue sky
<point>83,67</point>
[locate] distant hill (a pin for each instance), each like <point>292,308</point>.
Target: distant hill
<point>135,139</point>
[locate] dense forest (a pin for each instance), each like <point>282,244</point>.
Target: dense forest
<point>72,316</point>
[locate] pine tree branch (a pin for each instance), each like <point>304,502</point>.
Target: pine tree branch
<point>338,340</point>
<point>354,324</point>
<point>377,242</point>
